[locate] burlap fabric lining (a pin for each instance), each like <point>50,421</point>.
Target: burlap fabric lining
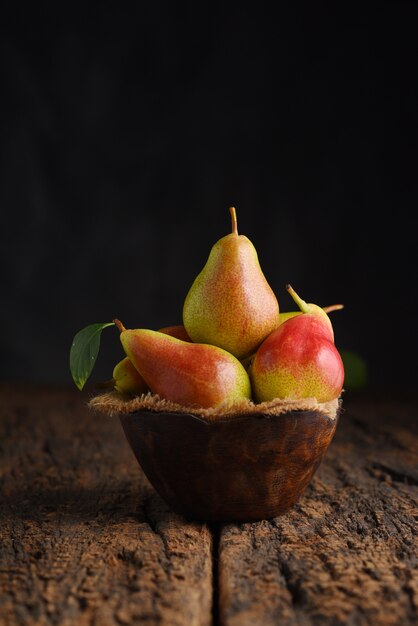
<point>114,404</point>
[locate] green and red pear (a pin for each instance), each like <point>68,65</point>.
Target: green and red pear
<point>298,360</point>
<point>190,374</point>
<point>230,304</point>
<point>127,379</point>
<point>287,316</point>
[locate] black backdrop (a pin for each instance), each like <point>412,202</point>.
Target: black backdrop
<point>127,133</point>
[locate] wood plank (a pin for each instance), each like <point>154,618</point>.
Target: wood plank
<point>85,540</point>
<point>83,537</point>
<point>347,552</point>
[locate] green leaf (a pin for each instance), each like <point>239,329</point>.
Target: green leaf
<point>84,351</point>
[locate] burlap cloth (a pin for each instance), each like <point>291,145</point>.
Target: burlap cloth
<point>115,404</point>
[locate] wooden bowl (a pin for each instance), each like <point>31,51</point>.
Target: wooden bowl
<point>248,468</point>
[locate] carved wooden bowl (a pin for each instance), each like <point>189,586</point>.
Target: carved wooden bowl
<point>247,468</point>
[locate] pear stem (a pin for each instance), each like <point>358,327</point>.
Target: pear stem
<point>333,307</point>
<point>301,303</point>
<point>119,324</point>
<point>234,220</point>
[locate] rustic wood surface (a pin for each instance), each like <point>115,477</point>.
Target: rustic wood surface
<point>85,540</point>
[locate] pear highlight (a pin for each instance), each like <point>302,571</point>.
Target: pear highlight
<point>230,304</point>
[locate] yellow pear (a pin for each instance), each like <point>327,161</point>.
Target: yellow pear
<point>230,304</point>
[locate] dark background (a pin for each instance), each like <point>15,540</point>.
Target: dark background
<point>127,133</point>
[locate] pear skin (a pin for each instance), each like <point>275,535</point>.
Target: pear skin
<point>179,332</point>
<point>230,304</point>
<point>298,360</point>
<point>195,375</point>
<point>288,314</point>
<point>126,379</point>
<point>283,318</point>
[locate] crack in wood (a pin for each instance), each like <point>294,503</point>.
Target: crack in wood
<point>215,530</point>
<point>293,586</point>
<point>75,544</point>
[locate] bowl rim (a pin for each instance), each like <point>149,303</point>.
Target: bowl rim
<point>114,404</point>
<point>235,418</point>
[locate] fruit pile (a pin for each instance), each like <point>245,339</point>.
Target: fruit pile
<point>234,343</point>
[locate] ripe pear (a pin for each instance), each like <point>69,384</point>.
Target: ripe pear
<point>195,375</point>
<point>230,304</point>
<point>126,379</point>
<point>287,316</point>
<point>298,360</point>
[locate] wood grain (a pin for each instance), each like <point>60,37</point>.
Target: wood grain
<point>84,539</point>
<point>347,553</point>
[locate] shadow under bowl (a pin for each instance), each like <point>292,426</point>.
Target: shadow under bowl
<point>247,468</point>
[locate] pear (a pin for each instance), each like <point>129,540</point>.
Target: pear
<point>230,304</point>
<point>191,374</point>
<point>126,379</point>
<point>298,360</point>
<point>287,316</point>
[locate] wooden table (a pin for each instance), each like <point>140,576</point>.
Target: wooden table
<point>86,540</point>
